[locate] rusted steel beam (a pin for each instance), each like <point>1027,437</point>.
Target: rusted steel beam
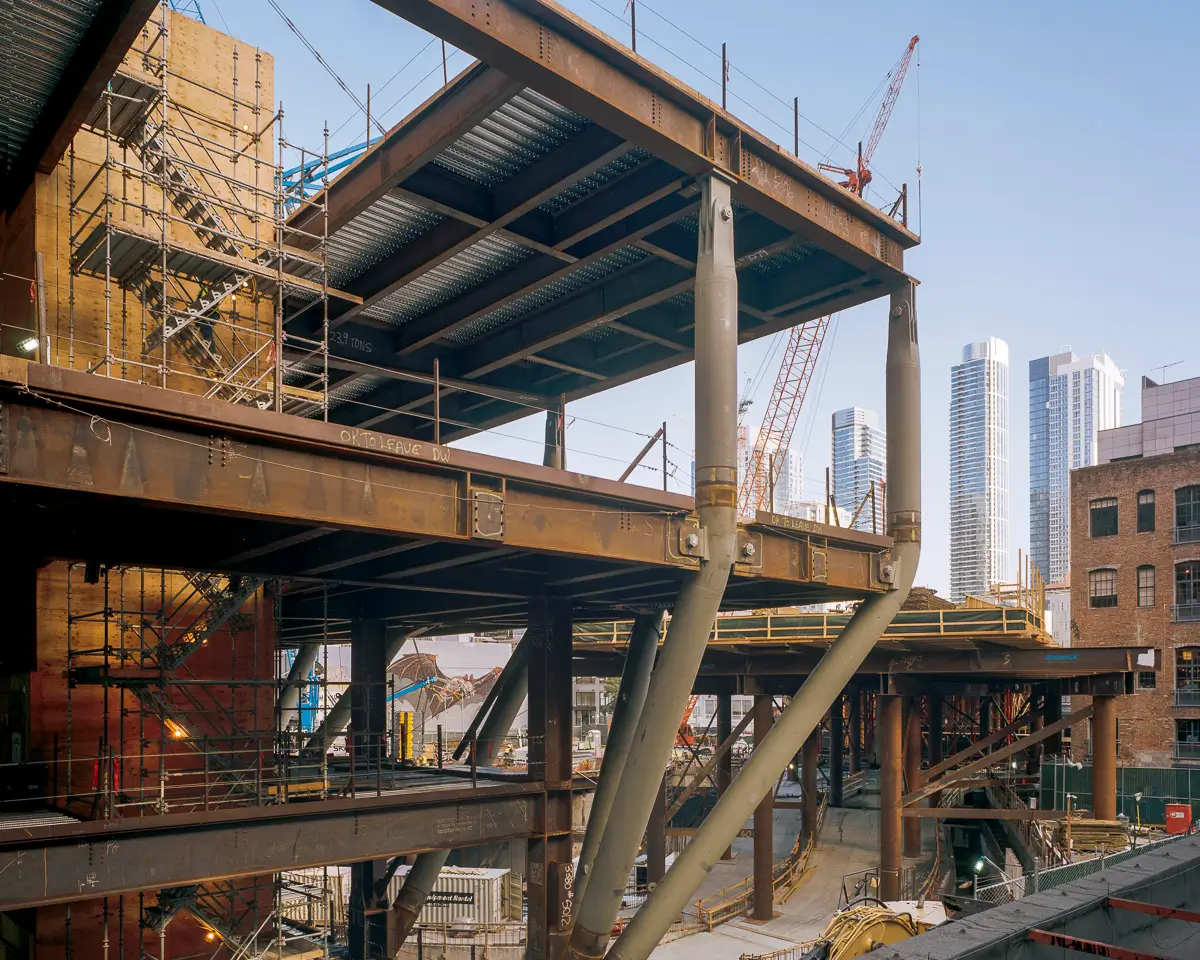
<point>980,813</point>
<point>1154,910</point>
<point>417,139</point>
<point>60,864</point>
<point>574,64</point>
<point>1093,948</point>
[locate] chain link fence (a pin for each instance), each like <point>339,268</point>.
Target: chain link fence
<point>1017,887</point>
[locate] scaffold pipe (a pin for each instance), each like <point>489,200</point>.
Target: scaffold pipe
<point>700,596</point>
<point>835,669</point>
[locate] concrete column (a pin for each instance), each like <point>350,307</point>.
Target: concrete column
<point>856,698</point>
<point>835,752</point>
<point>1053,745</point>
<point>1104,757</point>
<point>701,592</point>
<point>810,758</point>
<point>936,738</point>
<point>889,712</point>
<point>911,829</point>
<point>656,836</point>
<point>725,764</point>
<point>764,816</point>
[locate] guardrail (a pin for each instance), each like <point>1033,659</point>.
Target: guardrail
<point>735,900</point>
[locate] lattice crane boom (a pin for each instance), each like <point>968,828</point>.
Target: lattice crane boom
<point>783,412</point>
<point>857,179</point>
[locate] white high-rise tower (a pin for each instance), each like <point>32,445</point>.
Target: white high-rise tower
<point>979,552</point>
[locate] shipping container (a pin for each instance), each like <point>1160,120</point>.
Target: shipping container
<point>470,896</point>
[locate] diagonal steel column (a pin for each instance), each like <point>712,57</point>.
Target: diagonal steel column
<point>700,596</point>
<point>631,695</point>
<point>837,666</point>
<point>289,696</point>
<point>514,686</point>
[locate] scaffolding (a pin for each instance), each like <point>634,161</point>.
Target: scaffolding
<point>184,269</point>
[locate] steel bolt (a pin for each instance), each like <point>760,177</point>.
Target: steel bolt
<point>748,550</point>
<point>726,214</point>
<point>692,541</point>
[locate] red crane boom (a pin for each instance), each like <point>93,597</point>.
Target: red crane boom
<point>783,411</point>
<point>857,180</point>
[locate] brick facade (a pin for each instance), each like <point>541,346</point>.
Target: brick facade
<point>1147,724</point>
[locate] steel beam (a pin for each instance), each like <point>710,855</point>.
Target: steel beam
<point>837,740</point>
<point>1093,948</point>
<point>61,864</point>
<point>113,26</point>
<point>1153,910</point>
<point>912,772</point>
<point>890,734</point>
<point>574,64</point>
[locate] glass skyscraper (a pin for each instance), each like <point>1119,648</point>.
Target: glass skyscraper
<point>1070,402</point>
<point>979,469</point>
<point>859,460</point>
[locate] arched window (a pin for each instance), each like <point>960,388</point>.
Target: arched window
<point>1145,586</point>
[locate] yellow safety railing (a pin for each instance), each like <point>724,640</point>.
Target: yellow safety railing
<point>737,899</point>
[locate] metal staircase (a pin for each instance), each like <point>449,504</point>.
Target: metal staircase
<point>224,598</point>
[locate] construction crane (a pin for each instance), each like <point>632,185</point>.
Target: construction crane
<point>857,180</point>
<point>783,412</point>
<point>757,488</point>
<point>686,737</point>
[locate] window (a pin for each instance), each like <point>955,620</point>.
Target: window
<point>1104,517</point>
<point>1145,586</point>
<point>1187,514</point>
<point>1187,591</point>
<point>1145,511</point>
<point>1102,588</point>
<point>1147,680</point>
<point>1187,739</point>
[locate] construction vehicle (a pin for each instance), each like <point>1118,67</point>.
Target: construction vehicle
<point>686,736</point>
<point>866,925</point>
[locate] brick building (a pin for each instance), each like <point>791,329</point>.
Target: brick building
<point>1135,560</point>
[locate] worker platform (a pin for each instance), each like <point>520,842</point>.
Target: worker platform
<point>416,534</point>
<point>533,227</point>
<point>966,648</point>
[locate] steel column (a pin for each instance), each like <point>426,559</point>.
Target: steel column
<point>856,702</point>
<point>1052,714</point>
<point>700,596</point>
<point>936,738</point>
<point>367,932</point>
<point>656,836</point>
<point>289,696</point>
<point>912,773</point>
<point>890,710</point>
<point>985,719</point>
<point>339,714</point>
<point>839,663</point>
<point>1037,702</point>
<point>550,874</point>
<point>764,819</point>
<point>725,764</point>
<point>836,750</point>
<point>1104,757</point>
<point>810,757</point>
<point>631,695</point>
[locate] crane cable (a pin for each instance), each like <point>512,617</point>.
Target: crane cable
<point>321,60</point>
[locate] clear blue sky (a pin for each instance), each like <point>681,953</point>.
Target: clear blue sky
<point>1055,213</point>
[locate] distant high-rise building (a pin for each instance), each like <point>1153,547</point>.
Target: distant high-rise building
<point>979,469</point>
<point>1070,402</point>
<point>859,465</point>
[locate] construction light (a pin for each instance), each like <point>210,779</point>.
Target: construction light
<point>28,345</point>
<point>210,936</point>
<point>979,865</point>
<point>176,730</point>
